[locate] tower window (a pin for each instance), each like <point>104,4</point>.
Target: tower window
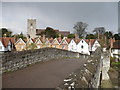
<point>31,24</point>
<point>82,41</point>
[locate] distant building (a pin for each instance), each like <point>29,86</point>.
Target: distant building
<point>115,50</point>
<point>33,32</point>
<point>20,45</point>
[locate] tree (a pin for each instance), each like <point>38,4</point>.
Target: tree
<point>21,35</point>
<point>71,36</point>
<point>108,34</point>
<point>99,31</point>
<point>5,32</point>
<point>31,46</point>
<point>117,37</point>
<point>49,32</point>
<point>80,28</point>
<point>90,36</point>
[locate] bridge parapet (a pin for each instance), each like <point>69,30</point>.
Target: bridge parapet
<point>15,60</point>
<point>86,77</point>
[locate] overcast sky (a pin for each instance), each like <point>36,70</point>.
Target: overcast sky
<point>60,15</point>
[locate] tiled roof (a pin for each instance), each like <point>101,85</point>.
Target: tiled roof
<point>38,31</point>
<point>91,41</point>
<point>64,33</point>
<point>5,40</point>
<point>68,40</point>
<point>77,40</point>
<point>116,44</point>
<point>59,40</point>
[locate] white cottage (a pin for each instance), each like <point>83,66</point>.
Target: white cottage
<point>115,51</point>
<point>83,47</point>
<point>95,45</point>
<point>72,46</point>
<point>6,44</point>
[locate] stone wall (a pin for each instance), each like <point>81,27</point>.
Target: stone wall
<point>86,77</point>
<point>12,61</point>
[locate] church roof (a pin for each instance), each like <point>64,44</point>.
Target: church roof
<point>64,33</point>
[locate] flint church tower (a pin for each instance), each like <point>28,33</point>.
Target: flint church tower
<point>31,28</point>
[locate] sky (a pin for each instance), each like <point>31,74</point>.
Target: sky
<point>60,15</point>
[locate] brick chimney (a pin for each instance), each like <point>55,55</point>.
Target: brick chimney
<point>76,36</point>
<point>43,37</point>
<point>59,37</point>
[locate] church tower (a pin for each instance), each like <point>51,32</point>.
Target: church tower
<point>31,28</point>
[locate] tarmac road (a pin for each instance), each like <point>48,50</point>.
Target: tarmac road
<point>49,74</point>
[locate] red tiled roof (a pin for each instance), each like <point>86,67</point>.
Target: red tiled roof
<point>68,40</point>
<point>116,44</point>
<point>77,40</point>
<point>59,40</point>
<point>91,41</point>
<point>5,40</point>
<point>64,33</point>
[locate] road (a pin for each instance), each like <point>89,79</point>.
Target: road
<point>49,74</point>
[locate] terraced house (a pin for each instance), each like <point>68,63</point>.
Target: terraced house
<point>84,46</point>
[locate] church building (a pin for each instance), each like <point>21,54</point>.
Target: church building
<point>33,32</point>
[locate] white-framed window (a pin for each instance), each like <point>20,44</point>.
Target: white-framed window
<point>54,46</point>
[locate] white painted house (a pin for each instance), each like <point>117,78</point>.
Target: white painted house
<point>2,47</point>
<point>72,46</point>
<point>95,45</point>
<point>83,47</point>
<point>6,44</point>
<point>115,51</point>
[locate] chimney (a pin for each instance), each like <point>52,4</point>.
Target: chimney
<point>43,37</point>
<point>76,36</point>
<point>59,37</point>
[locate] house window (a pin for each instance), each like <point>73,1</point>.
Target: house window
<point>82,46</point>
<point>55,46</point>
<point>63,47</point>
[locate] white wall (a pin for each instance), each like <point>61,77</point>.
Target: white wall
<point>2,48</point>
<point>115,53</point>
<point>72,46</point>
<point>83,47</point>
<point>95,45</point>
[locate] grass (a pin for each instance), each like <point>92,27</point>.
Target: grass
<point>106,84</point>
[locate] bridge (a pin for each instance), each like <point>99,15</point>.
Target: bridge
<point>51,68</point>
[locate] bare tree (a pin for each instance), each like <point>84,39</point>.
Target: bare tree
<point>80,28</point>
<point>99,31</point>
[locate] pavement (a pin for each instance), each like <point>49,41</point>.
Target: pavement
<point>49,74</point>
